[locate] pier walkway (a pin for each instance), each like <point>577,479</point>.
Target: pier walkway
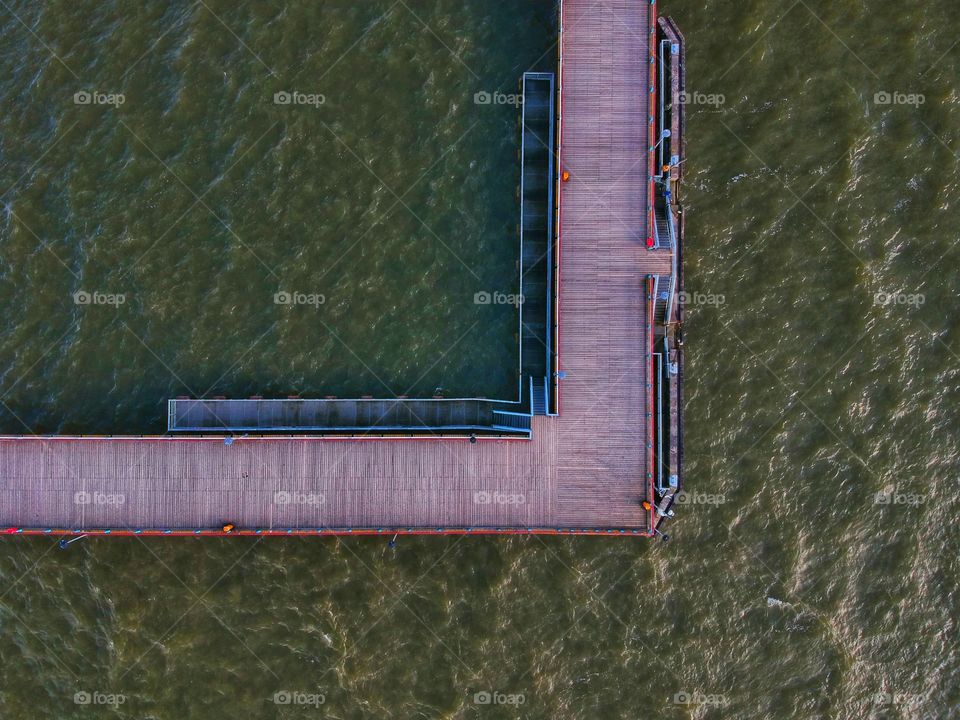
<point>587,470</point>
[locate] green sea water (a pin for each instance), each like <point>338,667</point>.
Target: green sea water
<point>182,177</point>
<point>813,571</point>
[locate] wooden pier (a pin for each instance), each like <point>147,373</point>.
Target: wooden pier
<point>589,470</point>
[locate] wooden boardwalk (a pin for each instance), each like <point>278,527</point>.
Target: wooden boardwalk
<point>585,470</point>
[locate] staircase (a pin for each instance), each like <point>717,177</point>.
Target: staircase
<point>663,230</point>
<point>663,241</point>
<point>660,302</point>
<point>539,393</point>
<point>511,422</point>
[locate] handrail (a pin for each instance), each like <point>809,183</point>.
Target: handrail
<point>673,263</point>
<point>652,105</point>
<point>649,340</point>
<point>659,383</point>
<point>661,103</point>
<point>554,368</point>
<point>510,412</point>
<point>523,159</point>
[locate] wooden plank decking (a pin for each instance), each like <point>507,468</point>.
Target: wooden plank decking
<point>586,469</point>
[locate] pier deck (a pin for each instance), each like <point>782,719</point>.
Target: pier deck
<point>584,470</point>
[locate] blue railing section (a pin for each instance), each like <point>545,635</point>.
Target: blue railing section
<point>661,96</point>
<point>672,231</point>
<point>659,455</point>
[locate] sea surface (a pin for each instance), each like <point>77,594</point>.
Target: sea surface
<point>813,571</point>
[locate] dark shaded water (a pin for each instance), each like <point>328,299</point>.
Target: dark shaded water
<point>814,572</point>
<point>381,196</point>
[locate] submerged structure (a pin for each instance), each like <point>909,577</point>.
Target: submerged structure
<point>591,444</point>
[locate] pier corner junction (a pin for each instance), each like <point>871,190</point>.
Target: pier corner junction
<point>591,444</point>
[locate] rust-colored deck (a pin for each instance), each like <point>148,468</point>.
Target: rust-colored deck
<point>585,470</point>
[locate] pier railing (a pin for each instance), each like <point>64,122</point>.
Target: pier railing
<point>651,135</point>
<point>672,236</point>
<point>537,200</point>
<point>649,380</point>
<point>365,416</point>
<point>554,377</point>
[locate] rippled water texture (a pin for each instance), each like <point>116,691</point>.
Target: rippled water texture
<point>185,195</point>
<point>813,575</point>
